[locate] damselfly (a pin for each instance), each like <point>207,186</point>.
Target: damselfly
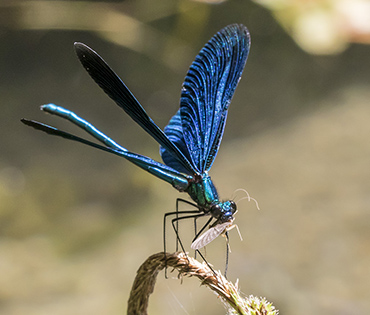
<point>190,142</point>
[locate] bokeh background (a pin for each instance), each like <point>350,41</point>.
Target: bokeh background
<point>77,223</point>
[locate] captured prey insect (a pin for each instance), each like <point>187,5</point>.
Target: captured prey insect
<point>190,142</point>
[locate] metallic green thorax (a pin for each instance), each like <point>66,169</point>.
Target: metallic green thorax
<point>203,191</point>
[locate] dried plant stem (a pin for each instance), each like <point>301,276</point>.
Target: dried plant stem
<point>146,276</point>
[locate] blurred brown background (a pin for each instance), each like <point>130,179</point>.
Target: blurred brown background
<point>76,223</point>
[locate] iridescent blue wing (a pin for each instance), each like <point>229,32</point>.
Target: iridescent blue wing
<point>113,86</point>
<point>174,132</point>
<point>206,94</point>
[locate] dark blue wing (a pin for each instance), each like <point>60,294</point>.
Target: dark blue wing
<point>113,86</point>
<point>206,94</point>
<point>174,132</point>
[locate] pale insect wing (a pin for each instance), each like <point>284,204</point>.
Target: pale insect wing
<point>208,236</point>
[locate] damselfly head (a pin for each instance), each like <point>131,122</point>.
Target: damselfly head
<point>224,211</point>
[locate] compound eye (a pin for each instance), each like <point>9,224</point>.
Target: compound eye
<point>232,206</point>
<point>216,209</point>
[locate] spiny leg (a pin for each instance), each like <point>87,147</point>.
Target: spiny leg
<point>202,229</point>
<point>205,260</point>
<point>196,236</point>
<point>175,222</point>
<point>227,252</point>
<point>177,236</point>
<point>200,232</point>
<point>195,233</point>
<point>177,214</point>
